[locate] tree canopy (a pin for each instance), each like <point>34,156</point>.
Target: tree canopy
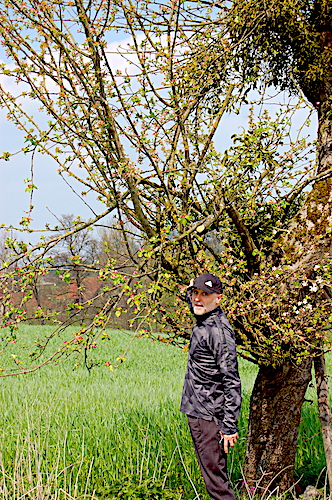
<point>143,140</point>
<point>290,42</point>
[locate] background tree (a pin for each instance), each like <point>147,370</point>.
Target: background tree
<point>117,243</point>
<point>143,141</point>
<point>75,253</point>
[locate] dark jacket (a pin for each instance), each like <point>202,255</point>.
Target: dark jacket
<point>212,386</point>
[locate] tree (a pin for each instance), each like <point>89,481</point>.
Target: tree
<point>290,47</point>
<point>97,107</point>
<point>75,252</point>
<point>142,140</point>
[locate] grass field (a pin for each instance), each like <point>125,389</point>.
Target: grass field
<point>115,435</point>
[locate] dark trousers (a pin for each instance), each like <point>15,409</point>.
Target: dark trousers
<point>211,458</point>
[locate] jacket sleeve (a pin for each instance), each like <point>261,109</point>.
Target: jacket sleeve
<point>189,293</point>
<point>222,344</point>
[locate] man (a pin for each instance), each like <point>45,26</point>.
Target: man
<point>211,396</point>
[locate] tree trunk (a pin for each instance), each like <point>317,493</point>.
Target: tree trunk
<point>324,412</point>
<point>275,412</point>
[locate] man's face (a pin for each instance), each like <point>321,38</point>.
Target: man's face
<point>204,302</point>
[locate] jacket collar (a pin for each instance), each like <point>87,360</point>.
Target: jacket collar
<point>202,317</point>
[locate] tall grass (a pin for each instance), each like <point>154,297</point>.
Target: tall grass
<point>106,435</point>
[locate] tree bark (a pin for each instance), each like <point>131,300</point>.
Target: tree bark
<point>275,412</point>
<point>324,412</point>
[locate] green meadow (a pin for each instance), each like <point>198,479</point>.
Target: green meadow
<point>69,434</point>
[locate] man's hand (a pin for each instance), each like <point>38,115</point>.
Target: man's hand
<point>185,287</point>
<point>228,440</point>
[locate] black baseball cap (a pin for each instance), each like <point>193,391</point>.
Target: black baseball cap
<point>209,283</point>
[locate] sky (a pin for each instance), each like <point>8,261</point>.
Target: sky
<point>53,197</point>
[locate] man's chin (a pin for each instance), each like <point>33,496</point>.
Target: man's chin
<point>199,311</point>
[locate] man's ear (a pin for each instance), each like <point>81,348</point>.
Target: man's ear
<point>218,298</point>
